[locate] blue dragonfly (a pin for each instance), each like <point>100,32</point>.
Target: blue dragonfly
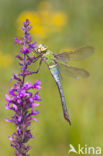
<point>60,60</point>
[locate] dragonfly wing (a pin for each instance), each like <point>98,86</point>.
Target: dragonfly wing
<point>77,54</point>
<point>73,71</point>
<point>64,57</point>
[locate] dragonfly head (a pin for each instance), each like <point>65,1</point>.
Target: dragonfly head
<point>41,48</point>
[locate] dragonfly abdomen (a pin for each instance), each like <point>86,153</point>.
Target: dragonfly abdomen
<point>55,73</point>
<point>63,101</point>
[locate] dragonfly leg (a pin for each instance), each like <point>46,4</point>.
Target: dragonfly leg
<point>38,66</point>
<point>36,58</point>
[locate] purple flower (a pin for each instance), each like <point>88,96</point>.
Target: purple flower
<point>15,76</point>
<point>7,97</point>
<point>37,84</point>
<point>20,98</point>
<point>17,41</point>
<point>25,50</point>
<point>36,96</point>
<point>19,57</point>
<point>31,46</point>
<point>27,85</point>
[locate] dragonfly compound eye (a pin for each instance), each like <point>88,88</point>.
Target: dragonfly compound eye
<point>39,50</point>
<point>43,48</point>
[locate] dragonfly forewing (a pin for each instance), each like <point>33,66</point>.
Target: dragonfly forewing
<point>77,54</point>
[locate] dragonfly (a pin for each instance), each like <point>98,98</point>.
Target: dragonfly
<point>60,61</point>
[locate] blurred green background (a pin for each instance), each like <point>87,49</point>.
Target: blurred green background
<point>59,24</point>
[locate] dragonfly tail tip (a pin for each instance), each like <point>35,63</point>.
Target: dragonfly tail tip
<point>69,122</point>
<point>67,118</point>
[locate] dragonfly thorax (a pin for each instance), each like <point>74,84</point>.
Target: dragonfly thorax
<point>49,58</point>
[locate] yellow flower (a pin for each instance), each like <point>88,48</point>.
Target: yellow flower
<point>59,19</point>
<point>45,21</point>
<point>37,30</point>
<point>33,17</point>
<point>5,60</point>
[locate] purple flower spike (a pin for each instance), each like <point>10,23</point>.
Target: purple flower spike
<point>20,99</point>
